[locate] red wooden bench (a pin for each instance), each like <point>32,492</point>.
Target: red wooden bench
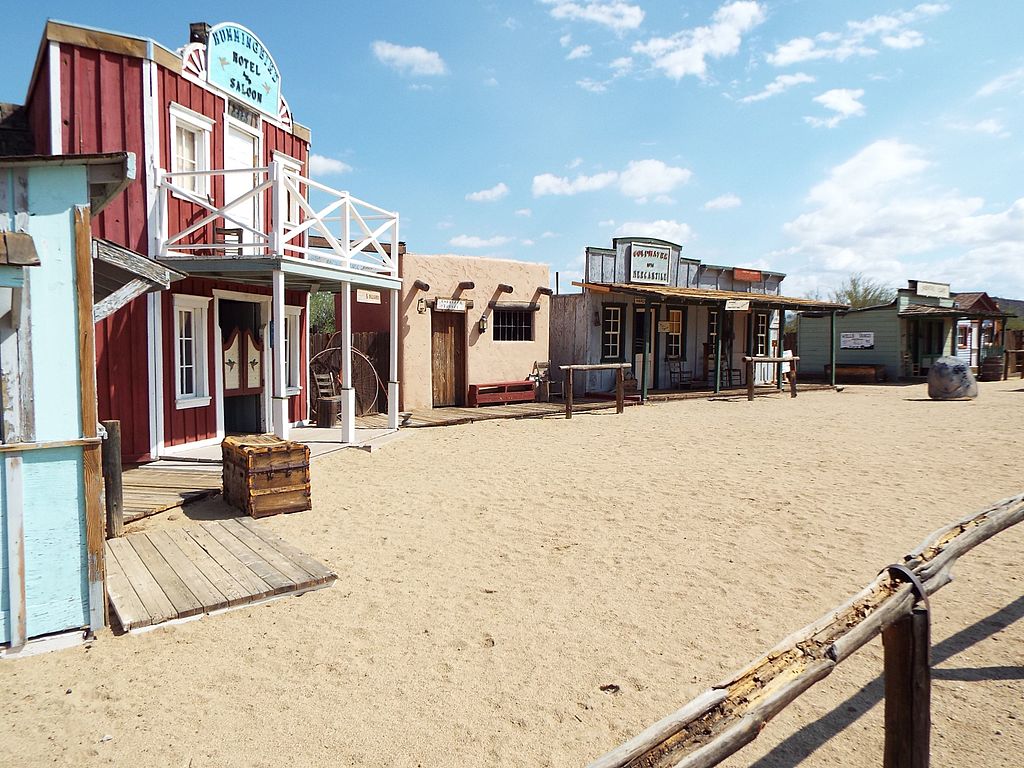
<point>501,392</point>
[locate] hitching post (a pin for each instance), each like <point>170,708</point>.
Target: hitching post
<point>907,691</point>
<point>720,312</point>
<point>648,333</point>
<point>832,347</point>
<point>113,492</point>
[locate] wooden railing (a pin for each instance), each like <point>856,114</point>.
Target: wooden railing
<point>779,362</point>
<point>1013,355</point>
<point>731,714</point>
<point>349,229</point>
<point>620,384</point>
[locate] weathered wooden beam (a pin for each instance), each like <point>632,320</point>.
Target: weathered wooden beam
<point>749,361</point>
<point>505,288</point>
<point>568,392</point>
<point>119,298</point>
<point>113,491</point>
<point>908,686</point>
<point>594,367</point>
<point>620,390</point>
<point>764,687</point>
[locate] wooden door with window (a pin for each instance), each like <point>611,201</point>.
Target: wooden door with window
<point>448,358</point>
<point>240,152</point>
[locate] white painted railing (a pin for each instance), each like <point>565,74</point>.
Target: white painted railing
<point>350,229</point>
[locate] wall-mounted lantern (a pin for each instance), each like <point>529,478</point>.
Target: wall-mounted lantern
<point>421,305</point>
<point>483,323</point>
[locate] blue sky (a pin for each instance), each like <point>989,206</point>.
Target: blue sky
<point>816,138</point>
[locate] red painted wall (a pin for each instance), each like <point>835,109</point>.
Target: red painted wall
<point>366,317</point>
<point>38,106</point>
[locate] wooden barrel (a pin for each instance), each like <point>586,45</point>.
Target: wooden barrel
<point>991,368</point>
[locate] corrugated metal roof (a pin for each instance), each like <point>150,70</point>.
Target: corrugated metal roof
<point>927,310</point>
<point>711,296</point>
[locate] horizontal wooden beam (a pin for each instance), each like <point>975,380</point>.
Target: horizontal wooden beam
<point>596,367</point>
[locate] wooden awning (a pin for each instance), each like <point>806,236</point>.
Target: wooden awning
<point>708,296</point>
<point>121,275</point>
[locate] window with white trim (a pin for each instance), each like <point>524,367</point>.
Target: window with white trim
<point>291,200</point>
<point>674,337</point>
<point>292,349</point>
<point>191,345</point>
<point>761,334</point>
<point>190,149</point>
<point>613,333</point>
<point>963,340</point>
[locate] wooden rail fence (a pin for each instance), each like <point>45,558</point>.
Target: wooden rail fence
<point>620,385</point>
<point>779,362</point>
<point>726,717</point>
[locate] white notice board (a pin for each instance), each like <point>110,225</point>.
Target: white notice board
<point>857,340</point>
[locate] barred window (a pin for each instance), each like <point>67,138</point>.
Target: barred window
<point>513,325</point>
<point>674,338</point>
<point>612,332</point>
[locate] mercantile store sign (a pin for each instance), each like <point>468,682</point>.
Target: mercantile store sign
<point>648,264</point>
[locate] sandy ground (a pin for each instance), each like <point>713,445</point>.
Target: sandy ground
<point>493,577</point>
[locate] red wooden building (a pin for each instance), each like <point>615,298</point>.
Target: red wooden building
<point>223,196</point>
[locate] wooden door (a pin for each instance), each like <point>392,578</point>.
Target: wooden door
<point>240,152</point>
<point>448,357</point>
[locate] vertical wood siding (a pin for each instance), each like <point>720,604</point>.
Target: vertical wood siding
<point>38,105</point>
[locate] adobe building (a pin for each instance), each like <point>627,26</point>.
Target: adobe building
<point>464,320</point>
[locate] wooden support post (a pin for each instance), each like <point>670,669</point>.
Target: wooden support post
<point>782,347</point>
<point>832,347</point>
<point>791,375</point>
<point>750,379</point>
<point>620,389</point>
<point>718,348</point>
<point>113,493</point>
<point>1006,365</point>
<point>644,363</point>
<point>568,394</point>
<point>907,645</point>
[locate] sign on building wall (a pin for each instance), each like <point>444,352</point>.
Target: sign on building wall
<point>857,340</point>
<point>450,305</point>
<point>367,297</point>
<point>737,305</point>
<point>746,275</point>
<point>933,290</point>
<point>648,264</point>
<point>237,62</point>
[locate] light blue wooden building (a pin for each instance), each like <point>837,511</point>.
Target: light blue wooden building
<point>51,520</point>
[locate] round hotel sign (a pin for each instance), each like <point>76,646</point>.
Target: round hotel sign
<point>238,63</point>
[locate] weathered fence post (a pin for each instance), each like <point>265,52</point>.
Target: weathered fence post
<point>907,645</point>
<point>113,492</point>
<point>620,390</point>
<point>568,395</point>
<point>750,379</point>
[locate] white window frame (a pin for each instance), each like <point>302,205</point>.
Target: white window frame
<point>199,307</point>
<point>293,330</point>
<point>611,328</point>
<point>202,127</point>
<point>291,209</point>
<point>674,338</point>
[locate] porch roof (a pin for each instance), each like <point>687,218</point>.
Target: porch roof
<point>711,296</point>
<point>299,274</point>
<point>927,310</point>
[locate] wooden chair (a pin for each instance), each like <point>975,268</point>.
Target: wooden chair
<point>679,376</point>
<point>228,235</point>
<point>542,375</point>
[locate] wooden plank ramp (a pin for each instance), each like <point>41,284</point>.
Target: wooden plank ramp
<point>148,491</point>
<point>162,575</point>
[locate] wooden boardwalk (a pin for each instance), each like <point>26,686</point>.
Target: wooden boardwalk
<point>148,491</point>
<point>174,573</point>
<point>445,417</point>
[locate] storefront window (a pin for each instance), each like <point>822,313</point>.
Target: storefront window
<point>963,336</point>
<point>612,332</point>
<point>761,334</point>
<point>674,337</point>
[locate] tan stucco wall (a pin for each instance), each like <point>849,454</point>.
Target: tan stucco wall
<point>486,359</point>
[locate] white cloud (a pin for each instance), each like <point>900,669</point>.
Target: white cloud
<point>472,241</point>
<point>320,165</point>
<point>565,40</point>
<point>843,101</point>
<point>876,213</point>
<point>723,202</point>
<point>618,16</point>
<point>857,39</point>
<point>524,212</point>
<point>575,163</point>
<point>686,52</point>
<point>491,82</point>
<point>622,65</point>
<point>527,242</point>
<point>591,85</point>
<point>511,23</point>
<point>663,229</point>
<point>778,85</point>
<point>549,184</point>
<point>990,126</point>
<point>643,178</point>
<point>496,192</point>
<point>579,52</point>
<point>409,60</point>
<point>548,235</point>
<point>606,223</point>
<point>1002,83</point>
<point>446,223</point>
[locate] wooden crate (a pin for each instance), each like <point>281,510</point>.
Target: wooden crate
<point>264,475</point>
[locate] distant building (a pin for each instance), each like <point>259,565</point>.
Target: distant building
<point>904,336</point>
<point>677,322</point>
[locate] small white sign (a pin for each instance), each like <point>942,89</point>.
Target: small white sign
<point>933,290</point>
<point>450,305</point>
<point>367,297</point>
<point>857,340</point>
<point>648,264</point>
<point>737,305</point>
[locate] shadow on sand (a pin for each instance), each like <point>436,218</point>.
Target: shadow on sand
<point>795,749</point>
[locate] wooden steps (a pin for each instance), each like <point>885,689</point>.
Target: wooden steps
<point>149,491</point>
<point>174,573</point>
